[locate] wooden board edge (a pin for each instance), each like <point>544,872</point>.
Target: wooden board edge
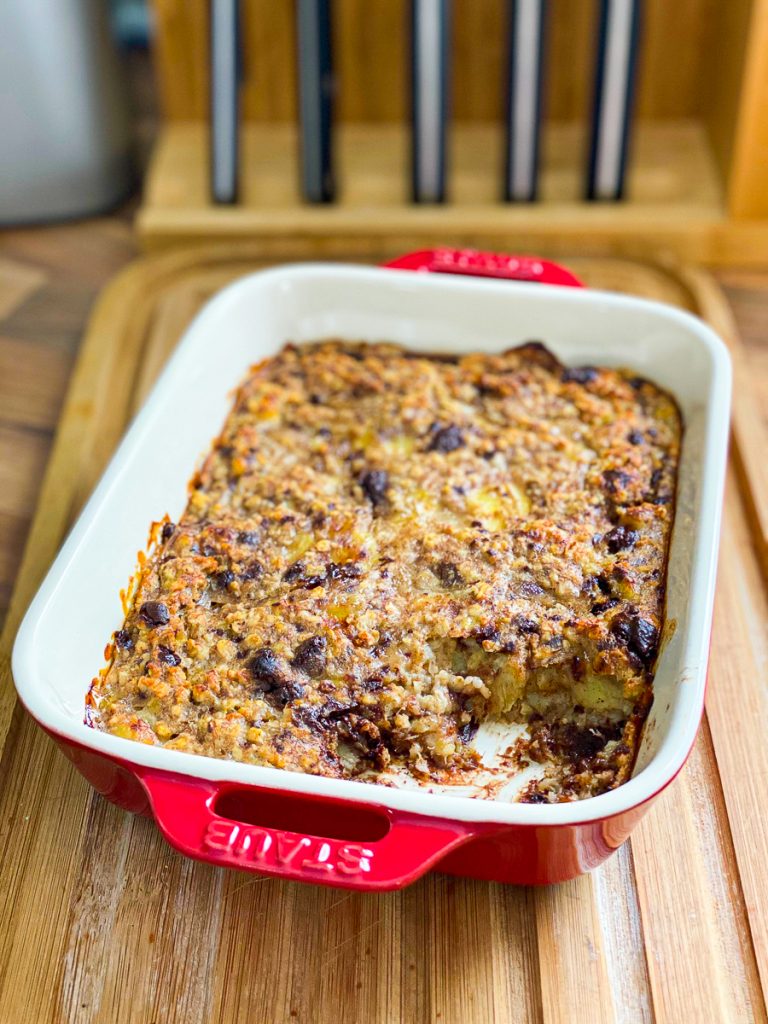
<point>90,398</point>
<point>749,433</point>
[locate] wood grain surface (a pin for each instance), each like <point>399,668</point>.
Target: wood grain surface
<point>695,179</point>
<point>675,187</point>
<point>372,54</point>
<point>101,922</point>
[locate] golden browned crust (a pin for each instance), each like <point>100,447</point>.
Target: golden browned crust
<point>383,550</point>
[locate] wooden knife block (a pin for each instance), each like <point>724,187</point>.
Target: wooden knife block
<point>698,158</point>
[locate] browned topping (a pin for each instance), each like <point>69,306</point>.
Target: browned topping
<point>384,552</point>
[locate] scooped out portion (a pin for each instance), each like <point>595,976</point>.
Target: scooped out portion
<point>385,552</point>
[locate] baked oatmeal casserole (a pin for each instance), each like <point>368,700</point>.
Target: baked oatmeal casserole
<point>384,551</point>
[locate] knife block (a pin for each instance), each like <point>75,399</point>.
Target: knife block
<point>695,184</point>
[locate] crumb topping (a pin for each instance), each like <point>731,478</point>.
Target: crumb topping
<point>383,551</point>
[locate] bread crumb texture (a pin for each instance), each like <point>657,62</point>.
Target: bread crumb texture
<point>385,550</point>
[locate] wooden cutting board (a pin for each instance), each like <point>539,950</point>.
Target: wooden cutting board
<point>101,921</point>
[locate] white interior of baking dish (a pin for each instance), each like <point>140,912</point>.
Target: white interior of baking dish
<point>61,642</point>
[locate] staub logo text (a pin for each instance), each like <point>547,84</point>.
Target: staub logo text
<point>287,850</point>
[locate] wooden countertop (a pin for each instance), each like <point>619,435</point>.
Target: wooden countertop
<point>547,947</point>
<point>49,279</point>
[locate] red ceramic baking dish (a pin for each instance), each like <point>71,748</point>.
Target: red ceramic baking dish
<point>349,833</point>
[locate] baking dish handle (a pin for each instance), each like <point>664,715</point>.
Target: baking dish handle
<point>474,263</point>
<point>185,811</point>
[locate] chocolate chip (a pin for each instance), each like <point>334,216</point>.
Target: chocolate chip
<point>645,638</point>
<point>310,582</point>
<point>589,585</point>
<point>224,578</point>
<point>372,684</point>
<point>375,484</point>
<point>154,613</point>
<point>294,572</point>
<point>531,589</point>
<point>584,744</point>
<point>467,731</point>
<point>364,735</point>
<point>537,352</point>
<point>615,479</point>
<point>603,585</point>
<point>252,571</point>
<point>385,639</point>
<point>168,656</point>
<point>168,531</point>
<point>285,693</point>
<point>343,571</point>
<point>448,574</point>
<point>579,374</point>
<point>487,632</point>
<point>620,538</point>
<point>310,656</point>
<point>635,437</point>
<point>525,625</point>
<point>446,439</point>
<point>653,495</point>
<point>123,639</point>
<point>249,537</point>
<point>603,606</point>
<point>265,669</point>
<point>638,635</point>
